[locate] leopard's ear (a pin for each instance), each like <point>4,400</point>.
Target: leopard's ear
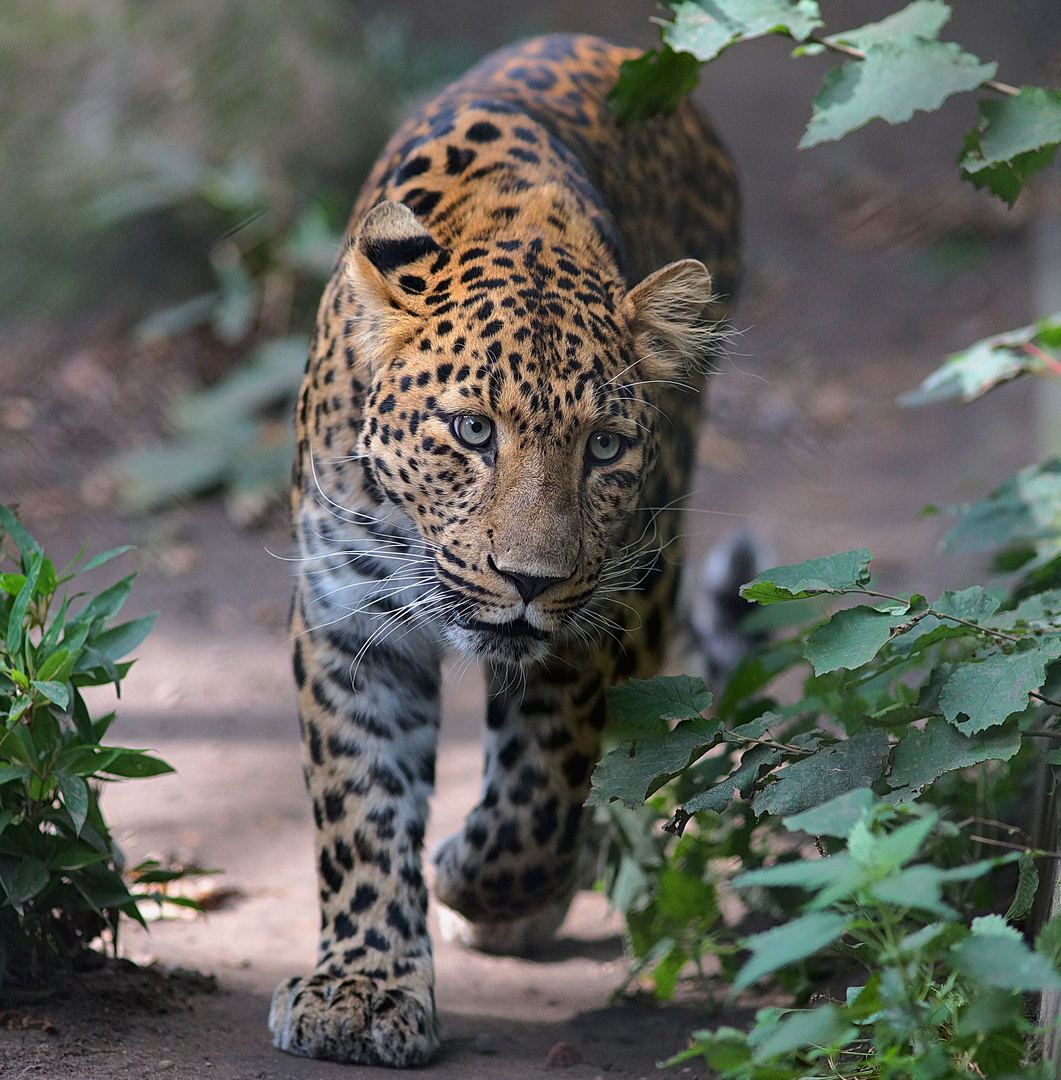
<point>388,264</point>
<point>665,312</point>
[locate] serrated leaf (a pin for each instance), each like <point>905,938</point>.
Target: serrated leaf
<point>924,756</point>
<point>853,763</point>
<point>642,703</point>
<point>836,817</point>
<point>895,80</point>
<point>916,887</point>
<point>632,772</point>
<point>851,638</point>
<point>820,1027</point>
<point>1026,506</point>
<point>706,27</point>
<point>787,944</point>
<point>970,373</point>
<point>1004,961</point>
<point>846,571</point>
<point>1048,941</point>
<point>991,690</point>
<point>720,795</point>
<point>921,19</point>
<point>653,83</point>
<point>1015,138</point>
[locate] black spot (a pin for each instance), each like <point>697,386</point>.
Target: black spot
<point>545,822</point>
<point>364,897</point>
<point>343,855</point>
<point>387,255</point>
<point>387,404</point>
<point>315,750</point>
<point>329,875</point>
<point>298,665</point>
<point>375,940</point>
<point>397,921</point>
<point>576,769</point>
<point>333,805</point>
<point>415,167</point>
<point>458,159</point>
<point>412,283</point>
<point>534,879</point>
<point>509,753</point>
<point>444,372</point>
<point>483,132</point>
<point>343,927</point>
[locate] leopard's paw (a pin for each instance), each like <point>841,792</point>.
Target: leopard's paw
<point>354,1020</point>
<point>515,937</point>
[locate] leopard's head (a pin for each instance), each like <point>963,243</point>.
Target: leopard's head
<point>512,416</point>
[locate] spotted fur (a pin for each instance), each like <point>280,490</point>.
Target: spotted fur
<point>493,432</point>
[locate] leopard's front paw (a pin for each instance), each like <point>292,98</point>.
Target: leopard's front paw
<point>354,1020</point>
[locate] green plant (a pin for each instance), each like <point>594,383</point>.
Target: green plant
<point>61,875</point>
<point>942,999</point>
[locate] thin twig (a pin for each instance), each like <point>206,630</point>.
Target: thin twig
<point>1016,847</point>
<point>1043,734</point>
<point>767,742</point>
<point>1045,700</point>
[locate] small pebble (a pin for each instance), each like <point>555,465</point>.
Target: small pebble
<point>562,1056</point>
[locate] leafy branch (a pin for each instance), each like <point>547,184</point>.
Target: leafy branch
<point>891,69</point>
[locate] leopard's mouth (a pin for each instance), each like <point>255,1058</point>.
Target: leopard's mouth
<point>514,628</point>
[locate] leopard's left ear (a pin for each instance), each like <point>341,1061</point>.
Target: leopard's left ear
<point>666,314</point>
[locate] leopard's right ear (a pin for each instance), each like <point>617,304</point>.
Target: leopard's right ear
<point>388,264</point>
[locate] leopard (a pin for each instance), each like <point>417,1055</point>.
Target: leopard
<point>495,431</point>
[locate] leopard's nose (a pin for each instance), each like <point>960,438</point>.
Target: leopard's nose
<point>527,585</point>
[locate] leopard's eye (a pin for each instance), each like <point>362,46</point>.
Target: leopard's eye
<point>474,431</point>
<point>604,445</point>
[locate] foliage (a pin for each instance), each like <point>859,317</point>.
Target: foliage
<point>891,69</point>
<point>942,999</point>
<point>61,882</point>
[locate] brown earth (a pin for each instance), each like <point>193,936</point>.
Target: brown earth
<point>867,263</point>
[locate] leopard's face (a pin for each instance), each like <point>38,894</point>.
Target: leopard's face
<point>511,417</point>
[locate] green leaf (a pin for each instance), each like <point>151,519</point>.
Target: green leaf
<point>836,817</point>
<point>122,639</point>
<point>1048,941</point>
<point>640,767</point>
<point>834,574</point>
<point>720,795</point>
<point>988,692</point>
<point>27,546</point>
<point>22,879</point>
<point>1027,886</point>
<point>821,1027</point>
<point>52,665</point>
<point>135,763</point>
<point>784,945</point>
<point>924,756</point>
<point>642,703</point>
<point>723,1049</point>
<point>1015,138</point>
<point>896,79</point>
<point>105,605</point>
<point>104,557</point>
<point>653,83</point>
<point>56,692</point>
<point>1027,506</point>
<point>21,603</point>
<point>999,959</point>
<point>921,19</point>
<point>851,638</point>
<point>852,763</point>
<point>970,373</point>
<point>706,27</point>
<point>74,791</point>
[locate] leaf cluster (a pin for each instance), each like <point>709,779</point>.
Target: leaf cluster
<point>61,880</point>
<point>890,69</point>
<point>942,999</point>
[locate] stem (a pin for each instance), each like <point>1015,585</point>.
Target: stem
<point>766,742</point>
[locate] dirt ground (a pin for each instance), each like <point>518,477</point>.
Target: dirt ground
<point>867,262</point>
